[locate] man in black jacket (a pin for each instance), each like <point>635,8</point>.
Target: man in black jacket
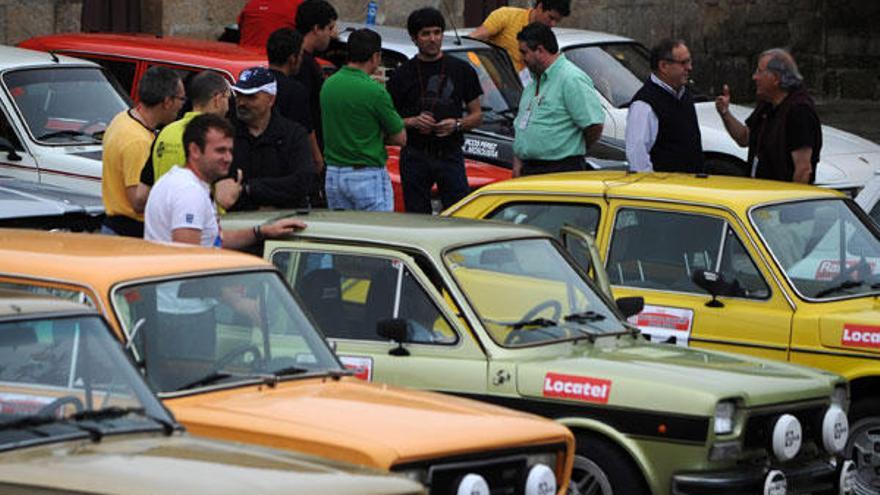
<point>272,160</point>
<point>662,133</point>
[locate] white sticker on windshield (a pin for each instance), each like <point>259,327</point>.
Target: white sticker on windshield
<point>664,324</point>
<point>22,404</point>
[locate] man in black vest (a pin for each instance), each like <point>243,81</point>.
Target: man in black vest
<point>783,133</point>
<point>662,133</point>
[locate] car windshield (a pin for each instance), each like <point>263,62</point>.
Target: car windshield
<point>823,246</point>
<point>198,331</point>
<point>618,70</point>
<point>65,105</point>
<point>67,377</point>
<point>526,292</point>
<point>500,84</point>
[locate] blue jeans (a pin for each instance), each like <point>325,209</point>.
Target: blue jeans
<point>367,188</point>
<point>420,170</point>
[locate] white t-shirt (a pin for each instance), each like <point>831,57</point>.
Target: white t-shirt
<point>180,200</point>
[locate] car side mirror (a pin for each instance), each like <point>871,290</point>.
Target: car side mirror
<point>713,283</point>
<point>630,306</point>
<point>397,330</point>
<point>7,146</point>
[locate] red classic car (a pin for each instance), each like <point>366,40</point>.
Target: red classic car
<point>127,56</point>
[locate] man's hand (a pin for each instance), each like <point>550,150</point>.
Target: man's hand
<point>227,191</point>
<point>722,102</point>
<point>444,128</point>
<point>281,228</point>
<point>423,122</point>
<point>517,167</point>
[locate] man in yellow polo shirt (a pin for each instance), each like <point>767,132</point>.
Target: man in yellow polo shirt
<point>209,93</point>
<point>127,143</point>
<point>503,24</point>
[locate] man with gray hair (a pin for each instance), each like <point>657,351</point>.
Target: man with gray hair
<point>783,133</point>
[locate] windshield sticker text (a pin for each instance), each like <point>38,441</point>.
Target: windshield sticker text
<point>480,148</point>
<point>828,269</point>
<point>581,388</point>
<point>860,336</point>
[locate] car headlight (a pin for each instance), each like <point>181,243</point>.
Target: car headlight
<point>419,475</point>
<point>725,417</point>
<point>541,477</point>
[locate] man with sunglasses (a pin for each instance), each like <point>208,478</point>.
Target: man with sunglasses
<point>662,133</point>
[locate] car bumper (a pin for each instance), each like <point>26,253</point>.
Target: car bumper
<point>814,477</point>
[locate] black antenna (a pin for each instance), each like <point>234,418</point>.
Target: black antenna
<point>54,57</point>
<point>452,22</point>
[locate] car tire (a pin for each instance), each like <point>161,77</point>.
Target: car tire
<point>716,165</point>
<point>863,445</point>
<point>602,468</point>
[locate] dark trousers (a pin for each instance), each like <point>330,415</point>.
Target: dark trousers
<point>420,170</point>
<point>568,164</point>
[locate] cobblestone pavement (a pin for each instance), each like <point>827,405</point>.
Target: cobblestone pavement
<point>860,117</point>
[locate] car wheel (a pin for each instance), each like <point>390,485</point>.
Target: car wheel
<point>601,468</point>
<point>863,446</point>
<point>716,165</point>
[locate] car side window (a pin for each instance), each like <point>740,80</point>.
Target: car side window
<point>738,269</point>
<point>122,71</point>
<point>348,294</point>
<point>550,216</point>
<point>68,294</point>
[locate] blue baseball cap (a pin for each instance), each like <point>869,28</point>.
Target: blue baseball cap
<point>254,80</point>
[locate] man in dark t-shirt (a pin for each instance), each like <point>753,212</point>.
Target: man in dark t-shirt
<point>783,133</point>
<point>284,51</point>
<point>431,92</point>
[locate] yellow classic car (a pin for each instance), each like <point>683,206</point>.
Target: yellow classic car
<point>226,345</point>
<point>776,270</point>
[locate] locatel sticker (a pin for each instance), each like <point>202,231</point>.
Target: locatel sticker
<point>860,336</point>
<point>362,366</point>
<point>581,388</point>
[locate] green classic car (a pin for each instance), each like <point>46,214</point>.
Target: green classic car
<point>75,417</point>
<point>502,313</point>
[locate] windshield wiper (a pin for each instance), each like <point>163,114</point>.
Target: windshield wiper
<point>114,412</point>
<point>68,133</point>
<point>846,284</point>
<point>536,322</point>
<point>290,371</point>
<point>584,316</point>
<point>92,415</point>
<point>206,380</point>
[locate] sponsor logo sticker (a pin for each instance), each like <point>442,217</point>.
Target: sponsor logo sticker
<point>665,324</point>
<point>828,269</point>
<point>362,366</point>
<point>582,388</point>
<point>860,336</point>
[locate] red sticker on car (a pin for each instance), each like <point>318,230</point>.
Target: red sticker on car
<point>581,388</point>
<point>828,269</point>
<point>860,336</point>
<point>361,366</point>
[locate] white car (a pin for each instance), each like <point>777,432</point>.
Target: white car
<point>619,66</point>
<point>53,112</point>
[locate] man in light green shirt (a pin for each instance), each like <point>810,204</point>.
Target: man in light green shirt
<point>559,112</point>
<point>209,93</point>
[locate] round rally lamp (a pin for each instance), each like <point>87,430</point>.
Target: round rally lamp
<point>787,437</point>
<point>775,483</point>
<point>835,430</point>
<point>540,481</point>
<point>473,484</point>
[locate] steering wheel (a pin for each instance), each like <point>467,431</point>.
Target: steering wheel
<point>548,304</point>
<point>237,352</point>
<point>56,404</point>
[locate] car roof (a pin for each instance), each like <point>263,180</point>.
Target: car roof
<point>731,192</point>
<point>398,39</point>
<point>169,49</point>
<point>14,303</point>
<point>99,260</point>
<point>422,232</point>
<point>12,57</point>
<point>567,37</point>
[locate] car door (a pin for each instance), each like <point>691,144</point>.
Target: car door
<point>349,290</point>
<point>654,250</point>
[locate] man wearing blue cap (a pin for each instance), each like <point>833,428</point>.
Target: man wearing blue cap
<point>272,161</point>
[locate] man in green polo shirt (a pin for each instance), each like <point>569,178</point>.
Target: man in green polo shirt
<point>559,112</point>
<point>358,118</point>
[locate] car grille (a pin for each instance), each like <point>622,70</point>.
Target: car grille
<point>759,426</point>
<point>506,476</point>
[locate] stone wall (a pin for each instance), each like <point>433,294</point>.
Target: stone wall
<point>836,42</point>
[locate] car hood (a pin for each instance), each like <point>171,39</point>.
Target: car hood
<point>361,423</point>
<point>676,379</point>
<point>19,198</point>
<point>140,464</point>
<point>856,329</point>
<point>846,160</point>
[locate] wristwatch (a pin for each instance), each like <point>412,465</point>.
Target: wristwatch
<point>457,125</point>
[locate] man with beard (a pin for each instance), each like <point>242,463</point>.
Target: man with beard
<point>431,92</point>
<point>179,208</point>
<point>272,157</point>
